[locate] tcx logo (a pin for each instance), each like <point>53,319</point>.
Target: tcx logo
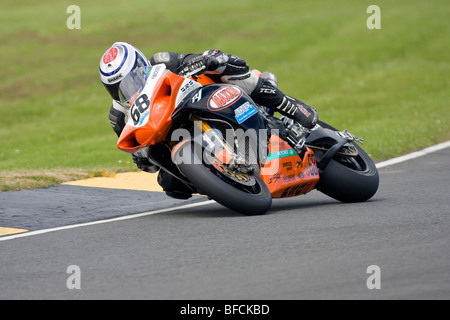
<point>267,90</point>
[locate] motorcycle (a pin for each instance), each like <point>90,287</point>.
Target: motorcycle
<point>217,141</point>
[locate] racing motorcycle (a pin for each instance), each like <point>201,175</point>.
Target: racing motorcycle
<point>217,141</point>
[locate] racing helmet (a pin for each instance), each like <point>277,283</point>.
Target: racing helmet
<point>117,62</point>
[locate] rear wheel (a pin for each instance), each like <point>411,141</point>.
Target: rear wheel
<point>250,198</point>
<point>349,178</point>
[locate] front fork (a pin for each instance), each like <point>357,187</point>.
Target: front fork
<point>218,147</point>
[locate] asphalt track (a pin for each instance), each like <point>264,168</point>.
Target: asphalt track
<point>308,247</point>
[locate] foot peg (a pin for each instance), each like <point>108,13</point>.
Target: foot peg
<point>348,136</point>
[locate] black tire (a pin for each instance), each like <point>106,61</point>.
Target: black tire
<point>249,201</point>
<point>349,179</point>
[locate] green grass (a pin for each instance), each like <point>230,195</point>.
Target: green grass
<point>389,86</point>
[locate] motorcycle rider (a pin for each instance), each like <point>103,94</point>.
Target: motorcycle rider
<point>121,58</point>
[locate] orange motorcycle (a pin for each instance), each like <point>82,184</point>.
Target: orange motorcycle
<point>217,141</point>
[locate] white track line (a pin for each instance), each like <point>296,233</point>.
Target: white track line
<point>132,216</point>
<point>413,155</point>
<point>379,165</point>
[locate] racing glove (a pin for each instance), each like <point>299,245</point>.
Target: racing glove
<point>142,162</point>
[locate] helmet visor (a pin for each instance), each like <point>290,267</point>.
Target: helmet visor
<point>133,83</point>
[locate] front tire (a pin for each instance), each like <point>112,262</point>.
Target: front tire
<point>253,200</point>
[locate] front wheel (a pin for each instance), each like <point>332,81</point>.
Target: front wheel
<point>250,200</point>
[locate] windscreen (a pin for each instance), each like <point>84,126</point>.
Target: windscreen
<point>133,83</point>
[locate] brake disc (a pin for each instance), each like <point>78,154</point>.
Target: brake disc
<point>236,176</point>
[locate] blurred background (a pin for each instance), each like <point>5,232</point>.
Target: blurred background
<point>389,85</point>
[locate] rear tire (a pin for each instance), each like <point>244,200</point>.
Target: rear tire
<point>349,179</point>
<point>247,200</point>
<point>349,185</point>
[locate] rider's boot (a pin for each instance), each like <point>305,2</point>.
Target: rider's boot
<point>173,187</point>
<point>268,95</point>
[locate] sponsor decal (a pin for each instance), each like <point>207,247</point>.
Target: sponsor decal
<point>303,110</point>
<point>115,78</point>
<point>155,71</point>
<point>287,165</point>
<point>224,97</point>
<point>197,97</point>
<point>296,190</point>
<point>275,177</point>
<point>267,90</point>
<point>289,177</point>
<point>244,112</point>
<point>187,86</point>
<point>110,55</point>
<point>281,154</point>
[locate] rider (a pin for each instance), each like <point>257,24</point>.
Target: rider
<point>121,58</point>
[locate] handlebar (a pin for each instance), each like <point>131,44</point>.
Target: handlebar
<point>198,65</point>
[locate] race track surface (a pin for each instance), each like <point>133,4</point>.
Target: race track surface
<point>308,247</point>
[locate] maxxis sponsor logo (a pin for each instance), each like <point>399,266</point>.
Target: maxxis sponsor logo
<point>224,97</point>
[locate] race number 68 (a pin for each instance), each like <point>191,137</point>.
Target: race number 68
<point>140,105</point>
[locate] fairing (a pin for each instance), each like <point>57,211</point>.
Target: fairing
<point>285,173</point>
<point>150,114</point>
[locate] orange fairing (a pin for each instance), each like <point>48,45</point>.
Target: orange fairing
<point>162,106</point>
<point>204,80</point>
<point>285,173</point>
